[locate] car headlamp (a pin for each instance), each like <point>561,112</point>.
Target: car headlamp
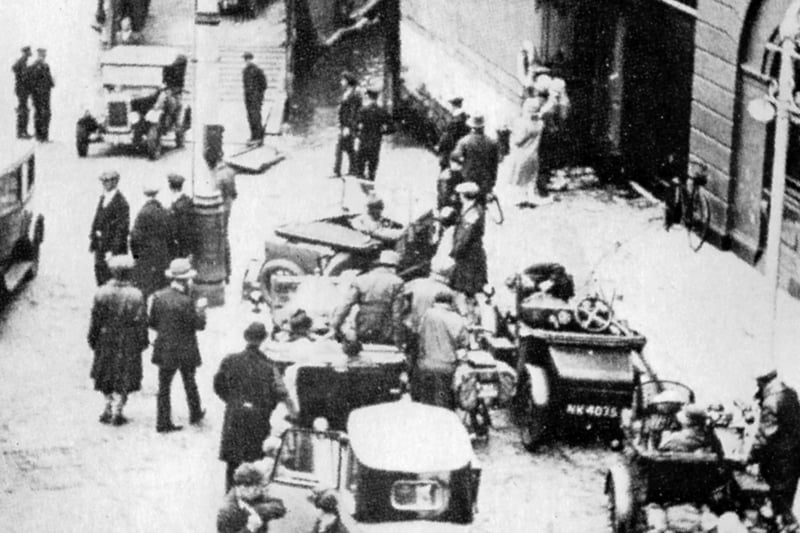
<point>564,317</point>
<point>134,117</point>
<point>152,115</point>
<point>320,424</point>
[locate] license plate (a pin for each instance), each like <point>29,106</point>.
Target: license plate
<point>596,411</point>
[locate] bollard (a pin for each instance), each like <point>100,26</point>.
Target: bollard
<point>209,222</point>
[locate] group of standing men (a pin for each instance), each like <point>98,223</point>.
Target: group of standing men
<point>159,273</point>
<point>33,81</point>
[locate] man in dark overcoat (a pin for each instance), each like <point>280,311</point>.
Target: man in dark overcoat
<point>109,234</point>
<point>184,234</point>
<point>455,128</point>
<point>151,239</point>
<point>777,444</point>
<point>41,83</point>
<point>22,88</point>
<point>469,257</point>
<point>480,156</point>
<point>349,106</point>
<point>118,336</point>
<point>255,85</point>
<point>373,122</point>
<point>251,387</point>
<point>176,320</point>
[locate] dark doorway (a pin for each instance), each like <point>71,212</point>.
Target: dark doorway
<point>656,107</point>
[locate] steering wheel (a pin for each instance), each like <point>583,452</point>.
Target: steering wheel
<point>593,314</point>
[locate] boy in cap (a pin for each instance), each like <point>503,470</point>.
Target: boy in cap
<point>255,85</point>
<point>373,123</point>
<point>248,505</point>
<point>118,336</point>
<point>349,108</point>
<point>22,88</point>
<point>109,233</point>
<point>176,319</point>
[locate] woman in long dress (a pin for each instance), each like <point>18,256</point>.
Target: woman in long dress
<point>525,138</point>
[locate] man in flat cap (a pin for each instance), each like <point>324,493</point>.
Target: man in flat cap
<point>41,83</point>
<point>251,387</point>
<point>109,233</point>
<point>373,122</point>
<point>248,505</point>
<point>151,241</point>
<point>255,85</point>
<point>349,106</point>
<point>469,257</point>
<point>777,443</point>
<point>22,88</point>
<point>176,318</point>
<point>480,156</point>
<point>373,223</point>
<point>118,336</point>
<point>379,296</point>
<point>184,235</point>
<point>454,130</point>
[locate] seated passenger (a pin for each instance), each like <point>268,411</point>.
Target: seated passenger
<point>549,278</point>
<point>662,417</point>
<point>373,224</point>
<point>126,35</point>
<point>695,434</point>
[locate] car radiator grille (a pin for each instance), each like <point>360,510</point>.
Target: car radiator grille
<point>117,114</point>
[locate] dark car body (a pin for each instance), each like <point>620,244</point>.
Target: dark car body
<point>21,226</point>
<point>401,466</point>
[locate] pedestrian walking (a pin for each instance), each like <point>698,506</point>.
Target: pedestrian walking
<point>251,387</point>
<point>469,257</point>
<point>443,341</point>
<point>184,234</point>
<point>349,108</point>
<point>255,84</point>
<point>151,239</point>
<point>41,84</point>
<point>225,180</point>
<point>481,156</point>
<point>248,506</point>
<point>379,296</point>
<point>448,180</point>
<point>118,336</point>
<point>176,320</point>
<point>373,123</point>
<point>777,443</point>
<point>526,138</point>
<point>109,233</point>
<point>22,88</point>
<point>419,295</point>
<point>454,130</point>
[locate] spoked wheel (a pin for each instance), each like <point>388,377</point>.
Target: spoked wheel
<point>696,218</point>
<point>593,314</point>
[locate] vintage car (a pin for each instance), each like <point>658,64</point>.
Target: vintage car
<point>578,365</point>
<point>651,489</point>
<point>401,466</point>
<point>21,226</point>
<point>330,246</point>
<point>142,103</point>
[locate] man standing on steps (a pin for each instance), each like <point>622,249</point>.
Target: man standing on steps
<point>41,83</point>
<point>255,84</point>
<point>373,122</point>
<point>349,107</point>
<point>22,88</point>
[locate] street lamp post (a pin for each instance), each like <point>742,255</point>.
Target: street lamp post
<point>784,103</point>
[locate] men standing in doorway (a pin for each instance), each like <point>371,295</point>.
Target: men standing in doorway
<point>373,123</point>
<point>255,85</point>
<point>454,130</point>
<point>41,83</point>
<point>480,156</point>
<point>151,239</point>
<point>109,234</point>
<point>349,107</point>
<point>22,88</point>
<point>176,319</point>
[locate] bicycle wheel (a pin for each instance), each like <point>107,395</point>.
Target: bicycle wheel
<point>696,217</point>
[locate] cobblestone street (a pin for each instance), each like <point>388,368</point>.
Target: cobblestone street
<point>704,314</point>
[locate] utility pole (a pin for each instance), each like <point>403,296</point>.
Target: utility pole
<point>209,213</point>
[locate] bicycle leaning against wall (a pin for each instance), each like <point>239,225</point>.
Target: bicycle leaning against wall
<point>687,203</point>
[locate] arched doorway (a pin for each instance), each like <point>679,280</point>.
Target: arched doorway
<point>758,73</point>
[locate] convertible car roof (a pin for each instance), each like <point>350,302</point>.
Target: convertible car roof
<point>406,436</point>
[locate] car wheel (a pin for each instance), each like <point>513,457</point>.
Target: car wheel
<point>620,500</point>
<point>533,426</point>
<point>82,141</point>
<point>277,266</point>
<point>153,142</point>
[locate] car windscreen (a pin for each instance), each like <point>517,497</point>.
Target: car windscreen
<point>308,459</point>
